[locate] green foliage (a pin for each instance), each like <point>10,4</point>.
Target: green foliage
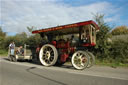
<point>30,29</point>
<point>19,39</point>
<point>120,30</point>
<point>99,18</point>
<point>116,51</point>
<point>2,38</point>
<point>120,37</point>
<point>119,51</point>
<point>110,62</point>
<point>34,40</point>
<point>3,52</point>
<point>2,34</point>
<point>102,47</point>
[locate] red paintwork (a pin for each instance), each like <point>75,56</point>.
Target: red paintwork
<point>63,45</point>
<point>88,44</point>
<point>64,57</point>
<point>65,48</point>
<point>67,26</point>
<point>54,43</point>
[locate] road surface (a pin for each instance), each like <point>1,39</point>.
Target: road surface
<point>25,73</point>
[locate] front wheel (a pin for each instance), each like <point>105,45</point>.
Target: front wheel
<point>80,60</point>
<point>48,55</point>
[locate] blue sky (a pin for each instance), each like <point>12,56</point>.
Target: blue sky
<point>16,15</point>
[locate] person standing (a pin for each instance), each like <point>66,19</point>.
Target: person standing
<point>12,48</point>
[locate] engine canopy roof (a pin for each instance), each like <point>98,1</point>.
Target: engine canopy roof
<point>66,29</point>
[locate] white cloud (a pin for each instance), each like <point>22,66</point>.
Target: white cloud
<point>17,15</point>
<point>112,18</point>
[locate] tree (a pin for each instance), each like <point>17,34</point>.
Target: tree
<point>2,34</point>
<point>20,39</point>
<point>30,29</point>
<point>117,50</point>
<point>33,40</point>
<point>102,47</point>
<point>2,37</point>
<point>99,18</point>
<point>120,30</point>
<point>21,35</point>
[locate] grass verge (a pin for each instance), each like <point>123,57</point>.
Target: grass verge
<point>112,63</point>
<point>3,53</point>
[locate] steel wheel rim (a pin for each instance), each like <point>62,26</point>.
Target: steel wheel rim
<point>48,55</point>
<point>80,60</point>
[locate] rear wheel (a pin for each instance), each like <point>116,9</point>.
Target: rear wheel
<point>10,57</point>
<point>91,59</point>
<point>48,55</point>
<point>13,58</point>
<point>80,60</point>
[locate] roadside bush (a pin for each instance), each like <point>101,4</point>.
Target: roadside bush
<point>119,51</point>
<point>34,40</point>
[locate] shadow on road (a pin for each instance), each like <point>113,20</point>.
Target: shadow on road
<point>6,59</point>
<point>37,62</point>
<point>67,66</point>
<point>30,71</point>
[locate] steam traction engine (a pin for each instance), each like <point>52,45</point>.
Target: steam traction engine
<point>72,41</point>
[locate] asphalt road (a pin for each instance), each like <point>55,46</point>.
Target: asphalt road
<point>25,73</point>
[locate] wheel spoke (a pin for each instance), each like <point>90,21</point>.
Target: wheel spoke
<point>51,58</point>
<point>78,54</point>
<point>48,62</point>
<point>50,49</point>
<point>52,53</point>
